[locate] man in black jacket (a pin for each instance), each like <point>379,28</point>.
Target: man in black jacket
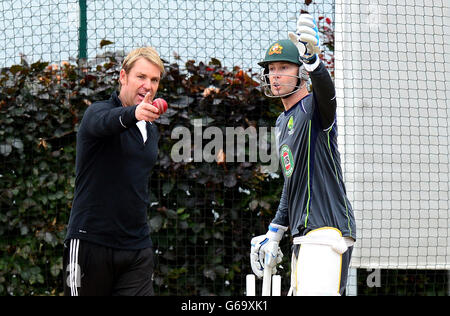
<point>108,250</point>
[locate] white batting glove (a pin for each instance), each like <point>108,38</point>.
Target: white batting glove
<point>306,38</point>
<point>265,250</point>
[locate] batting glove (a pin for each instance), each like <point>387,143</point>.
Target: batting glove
<point>265,250</point>
<point>306,38</point>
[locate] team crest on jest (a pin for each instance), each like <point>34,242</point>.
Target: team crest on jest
<point>291,125</point>
<point>287,160</point>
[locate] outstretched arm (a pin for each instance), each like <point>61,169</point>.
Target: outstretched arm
<point>101,120</point>
<point>307,41</point>
<point>324,93</point>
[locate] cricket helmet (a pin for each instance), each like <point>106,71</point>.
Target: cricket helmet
<point>282,50</point>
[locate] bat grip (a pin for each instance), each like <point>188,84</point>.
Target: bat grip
<point>267,280</point>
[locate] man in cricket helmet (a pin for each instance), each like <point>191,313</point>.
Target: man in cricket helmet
<point>282,84</point>
<point>313,205</point>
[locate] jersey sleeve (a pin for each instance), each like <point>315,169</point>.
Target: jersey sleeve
<point>324,95</point>
<point>282,214</point>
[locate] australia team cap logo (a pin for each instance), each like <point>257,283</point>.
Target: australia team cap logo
<point>276,49</point>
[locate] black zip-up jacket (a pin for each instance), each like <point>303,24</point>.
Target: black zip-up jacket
<point>113,166</point>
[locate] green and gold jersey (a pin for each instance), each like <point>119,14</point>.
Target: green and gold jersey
<point>314,193</point>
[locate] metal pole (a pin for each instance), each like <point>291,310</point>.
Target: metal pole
<point>82,31</point>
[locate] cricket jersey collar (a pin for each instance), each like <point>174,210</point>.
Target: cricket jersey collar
<point>295,105</point>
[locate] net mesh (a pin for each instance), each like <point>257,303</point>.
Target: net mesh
<point>388,61</point>
<point>392,78</point>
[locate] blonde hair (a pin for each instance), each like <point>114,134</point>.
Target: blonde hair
<point>148,53</point>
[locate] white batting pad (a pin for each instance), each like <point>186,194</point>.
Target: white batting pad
<point>318,266</point>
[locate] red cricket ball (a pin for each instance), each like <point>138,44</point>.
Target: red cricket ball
<point>161,104</point>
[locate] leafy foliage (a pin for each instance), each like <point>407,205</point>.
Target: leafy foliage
<point>202,215</point>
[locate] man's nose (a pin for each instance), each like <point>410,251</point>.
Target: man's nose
<point>147,85</point>
<point>275,76</point>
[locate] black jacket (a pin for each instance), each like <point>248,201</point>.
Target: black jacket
<point>113,167</point>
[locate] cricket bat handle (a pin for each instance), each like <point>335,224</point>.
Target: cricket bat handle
<point>267,281</point>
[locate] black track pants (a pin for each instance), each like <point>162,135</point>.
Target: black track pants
<point>91,269</point>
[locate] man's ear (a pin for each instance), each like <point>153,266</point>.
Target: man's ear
<point>123,77</point>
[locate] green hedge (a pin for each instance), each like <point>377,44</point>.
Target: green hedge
<point>202,216</point>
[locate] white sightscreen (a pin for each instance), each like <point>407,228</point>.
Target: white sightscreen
<point>393,85</point>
